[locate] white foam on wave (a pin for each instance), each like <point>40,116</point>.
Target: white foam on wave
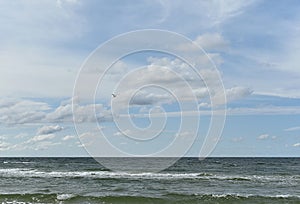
<point>64,196</point>
<point>287,196</point>
<point>17,162</point>
<point>253,195</point>
<point>25,172</point>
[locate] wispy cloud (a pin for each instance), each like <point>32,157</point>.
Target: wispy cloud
<point>265,110</point>
<point>37,142</point>
<point>296,145</point>
<point>39,138</point>
<point>292,128</point>
<point>32,54</point>
<point>60,3</point>
<point>237,139</point>
<point>68,137</point>
<point>213,13</point>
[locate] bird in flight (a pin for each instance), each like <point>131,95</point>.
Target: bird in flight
<point>114,95</point>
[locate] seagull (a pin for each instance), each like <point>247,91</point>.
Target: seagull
<point>114,95</point>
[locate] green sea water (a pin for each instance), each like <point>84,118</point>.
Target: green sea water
<point>190,180</point>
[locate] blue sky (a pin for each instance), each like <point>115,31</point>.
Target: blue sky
<point>254,44</point>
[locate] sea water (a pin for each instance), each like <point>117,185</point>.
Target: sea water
<point>189,180</point>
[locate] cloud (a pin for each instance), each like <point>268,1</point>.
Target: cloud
<point>266,136</point>
<point>263,137</point>
<point>43,145</point>
<point>37,142</point>
<point>39,138</point>
<point>25,111</point>
<point>49,129</point>
<point>184,134</point>
<point>264,110</point>
<point>204,105</point>
<point>162,75</point>
<point>232,94</point>
<point>59,3</point>
<point>237,93</point>
<point>83,113</point>
<point>35,36</point>
<point>3,137</point>
<point>21,135</point>
<point>144,98</point>
<point>292,129</point>
<point>296,145</point>
<point>16,111</point>
<point>274,54</point>
<point>237,139</point>
<point>126,132</point>
<point>231,8</point>
<point>212,42</point>
<point>68,137</point>
<point>4,146</point>
<point>51,22</point>
<point>173,78</point>
<point>118,134</point>
<point>207,14</point>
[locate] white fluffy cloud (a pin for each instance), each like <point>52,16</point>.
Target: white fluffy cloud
<point>14,111</point>
<point>212,42</point>
<point>25,111</point>
<point>21,111</point>
<point>4,146</point>
<point>170,76</point>
<point>49,129</point>
<point>236,93</point>
<point>173,80</point>
<point>263,137</point>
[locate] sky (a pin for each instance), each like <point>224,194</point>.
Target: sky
<point>252,47</point>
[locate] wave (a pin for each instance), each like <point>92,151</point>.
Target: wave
<point>236,198</point>
<point>25,172</point>
<point>105,174</point>
<point>168,198</point>
<point>17,162</point>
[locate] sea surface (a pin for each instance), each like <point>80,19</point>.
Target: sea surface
<point>190,180</point>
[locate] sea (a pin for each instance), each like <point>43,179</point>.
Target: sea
<point>189,180</point>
